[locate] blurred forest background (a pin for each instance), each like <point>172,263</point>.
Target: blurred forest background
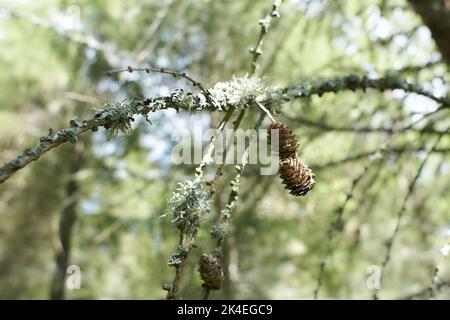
<point>382,193</point>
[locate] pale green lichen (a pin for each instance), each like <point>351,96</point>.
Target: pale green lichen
<point>177,256</point>
<point>219,230</point>
<point>238,92</point>
<point>187,206</point>
<point>117,117</point>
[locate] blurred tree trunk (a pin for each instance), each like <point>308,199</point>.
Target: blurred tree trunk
<point>436,16</point>
<point>230,256</point>
<point>66,223</point>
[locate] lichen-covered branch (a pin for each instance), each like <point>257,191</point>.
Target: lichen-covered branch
<point>220,229</point>
<point>172,73</point>
<point>114,117</point>
<point>186,208</point>
<point>324,126</point>
<point>224,96</point>
<point>356,82</point>
<point>367,154</point>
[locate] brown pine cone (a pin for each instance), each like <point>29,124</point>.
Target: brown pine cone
<point>296,176</point>
<point>210,271</point>
<point>288,142</point>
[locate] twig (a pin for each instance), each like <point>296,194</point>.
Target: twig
<point>210,148</point>
<point>174,288</point>
<point>426,291</point>
<point>390,241</point>
<point>236,124</point>
<point>265,25</point>
<point>103,118</point>
<point>355,82</point>
<point>233,197</point>
<point>175,74</point>
<point>360,129</point>
<point>225,214</point>
<point>392,150</point>
<point>426,116</point>
<point>259,104</point>
<point>336,226</point>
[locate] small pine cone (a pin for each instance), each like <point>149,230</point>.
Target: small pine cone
<point>296,176</point>
<point>288,142</point>
<point>210,271</point>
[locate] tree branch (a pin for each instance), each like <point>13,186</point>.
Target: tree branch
<point>359,129</point>
<point>390,241</point>
<point>107,118</point>
<point>265,25</point>
<point>355,82</point>
<point>117,118</point>
<point>366,154</point>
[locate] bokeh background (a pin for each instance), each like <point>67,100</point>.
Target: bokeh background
<point>107,196</point>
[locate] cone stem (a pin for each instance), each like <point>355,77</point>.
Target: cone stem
<point>259,104</point>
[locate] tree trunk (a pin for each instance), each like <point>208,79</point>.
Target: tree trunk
<point>66,223</point>
<point>436,16</point>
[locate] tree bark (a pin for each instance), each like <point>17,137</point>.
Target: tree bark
<point>436,16</point>
<point>66,223</point>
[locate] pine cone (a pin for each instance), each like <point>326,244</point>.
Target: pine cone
<point>296,176</point>
<point>288,142</point>
<point>210,271</point>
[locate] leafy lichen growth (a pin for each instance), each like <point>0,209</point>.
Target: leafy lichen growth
<point>117,117</point>
<point>187,206</point>
<point>238,92</point>
<point>219,230</point>
<point>177,256</point>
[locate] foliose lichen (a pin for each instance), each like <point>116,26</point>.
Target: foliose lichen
<point>187,206</point>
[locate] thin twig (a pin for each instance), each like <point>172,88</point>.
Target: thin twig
<point>360,129</point>
<point>391,240</point>
<point>356,82</point>
<point>332,85</point>
<point>224,215</point>
<point>366,154</point>
<point>233,197</point>
<point>259,104</point>
<point>336,226</point>
<point>265,25</point>
<point>425,291</point>
<point>75,130</point>
<point>173,73</point>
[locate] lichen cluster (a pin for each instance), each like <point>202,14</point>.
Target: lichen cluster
<point>355,82</point>
<point>187,206</point>
<point>177,256</point>
<point>219,231</point>
<point>238,92</point>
